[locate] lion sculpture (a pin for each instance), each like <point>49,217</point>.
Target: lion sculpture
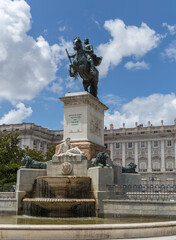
<point>130,168</point>
<point>100,160</point>
<point>30,163</point>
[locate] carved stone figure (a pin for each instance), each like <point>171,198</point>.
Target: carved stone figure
<point>130,168</point>
<point>66,149</point>
<point>84,62</point>
<point>66,168</point>
<point>30,163</point>
<point>101,160</point>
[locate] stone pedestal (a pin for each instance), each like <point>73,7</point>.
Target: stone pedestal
<point>83,118</point>
<point>25,181</point>
<point>72,166</point>
<point>126,178</point>
<point>101,177</point>
<point>84,123</point>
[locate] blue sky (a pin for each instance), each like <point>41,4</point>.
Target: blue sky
<point>137,40</point>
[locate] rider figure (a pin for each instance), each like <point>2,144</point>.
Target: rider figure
<point>88,49</point>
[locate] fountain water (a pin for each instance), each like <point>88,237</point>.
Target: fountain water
<point>65,196</point>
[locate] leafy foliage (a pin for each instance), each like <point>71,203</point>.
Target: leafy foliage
<point>50,152</point>
<point>11,155</point>
<point>38,155</point>
<point>33,153</point>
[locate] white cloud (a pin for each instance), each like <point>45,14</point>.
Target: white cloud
<point>59,50</point>
<point>170,52</point>
<point>56,86</point>
<point>61,29</point>
<point>136,66</point>
<point>125,41</point>
<point>113,100</point>
<point>53,99</point>
<point>26,65</point>
<point>171,28</point>
<point>16,115</point>
<point>73,84</point>
<point>153,108</point>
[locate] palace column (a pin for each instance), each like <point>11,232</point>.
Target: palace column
<point>162,157</point>
<point>111,147</point>
<point>31,143</point>
<point>38,145</point>
<point>45,147</point>
<point>149,169</point>
<point>136,154</point>
<point>123,154</point>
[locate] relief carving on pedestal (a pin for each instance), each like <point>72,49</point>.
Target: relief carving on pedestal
<point>95,126</point>
<point>66,168</point>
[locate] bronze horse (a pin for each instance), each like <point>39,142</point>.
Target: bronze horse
<point>81,67</point>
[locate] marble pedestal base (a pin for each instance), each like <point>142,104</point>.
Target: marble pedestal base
<point>72,166</point>
<point>83,118</point>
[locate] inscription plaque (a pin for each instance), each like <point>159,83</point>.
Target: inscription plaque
<point>75,123</point>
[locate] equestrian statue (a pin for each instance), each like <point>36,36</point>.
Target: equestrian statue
<point>84,65</point>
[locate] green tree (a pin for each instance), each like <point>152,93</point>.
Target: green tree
<point>38,155</point>
<point>10,157</point>
<point>50,152</point>
<point>33,153</point>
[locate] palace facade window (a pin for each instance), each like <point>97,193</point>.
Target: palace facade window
<point>143,166</point>
<point>142,144</point>
<point>169,165</point>
<point>130,145</point>
<point>155,144</point>
<point>156,165</point>
<point>117,145</point>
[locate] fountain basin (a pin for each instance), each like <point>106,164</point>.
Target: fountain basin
<point>63,196</point>
<point>54,207</point>
<point>62,187</point>
<point>56,203</point>
<point>96,232</point>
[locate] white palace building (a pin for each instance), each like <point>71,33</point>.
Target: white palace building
<point>152,148</point>
<point>33,136</point>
